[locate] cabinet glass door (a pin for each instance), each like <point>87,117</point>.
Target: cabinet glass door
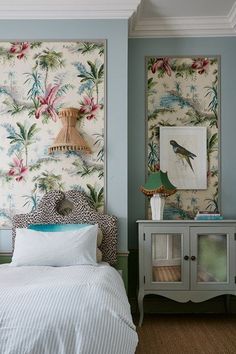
<point>165,258</point>
<point>210,258</point>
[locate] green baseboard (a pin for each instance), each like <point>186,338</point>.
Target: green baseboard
<point>133,274</point>
<point>122,264</point>
<point>5,258</point>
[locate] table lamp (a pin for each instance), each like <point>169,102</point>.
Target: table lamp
<point>158,187</point>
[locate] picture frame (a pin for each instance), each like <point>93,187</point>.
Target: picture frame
<point>40,79</point>
<point>183,154</point>
<point>184,91</point>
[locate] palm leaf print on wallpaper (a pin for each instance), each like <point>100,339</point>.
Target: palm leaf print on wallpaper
<point>37,80</point>
<point>183,92</point>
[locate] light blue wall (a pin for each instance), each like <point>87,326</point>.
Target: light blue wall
<point>116,33</point>
<point>138,49</point>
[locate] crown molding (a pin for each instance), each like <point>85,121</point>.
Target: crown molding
<point>69,9</point>
<point>232,16</point>
<point>196,26</point>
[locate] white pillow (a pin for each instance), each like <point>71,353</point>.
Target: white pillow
<point>37,248</point>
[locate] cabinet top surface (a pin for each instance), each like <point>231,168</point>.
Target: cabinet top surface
<point>226,221</point>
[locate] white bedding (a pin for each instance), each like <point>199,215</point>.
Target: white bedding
<point>64,310</point>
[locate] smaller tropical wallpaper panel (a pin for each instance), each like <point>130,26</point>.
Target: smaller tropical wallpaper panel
<point>184,92</point>
<point>37,80</point>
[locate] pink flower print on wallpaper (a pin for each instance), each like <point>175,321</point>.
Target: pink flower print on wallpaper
<point>201,65</point>
<point>37,80</point>
<point>48,103</point>
<point>20,49</point>
<point>88,107</point>
<point>162,63</point>
<point>17,169</point>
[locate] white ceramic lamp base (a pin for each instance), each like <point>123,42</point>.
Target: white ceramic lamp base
<point>157,206</point>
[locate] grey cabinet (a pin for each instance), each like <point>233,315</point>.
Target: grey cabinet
<point>186,260</point>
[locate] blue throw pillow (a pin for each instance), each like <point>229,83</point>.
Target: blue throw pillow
<point>57,227</point>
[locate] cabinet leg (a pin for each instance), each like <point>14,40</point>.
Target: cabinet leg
<point>140,307</point>
<point>227,303</point>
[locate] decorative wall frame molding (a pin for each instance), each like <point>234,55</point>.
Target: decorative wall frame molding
<point>39,79</point>
<point>184,92</point>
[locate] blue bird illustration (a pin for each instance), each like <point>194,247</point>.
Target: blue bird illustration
<point>183,153</point>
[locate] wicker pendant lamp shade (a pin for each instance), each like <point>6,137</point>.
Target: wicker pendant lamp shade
<point>69,139</point>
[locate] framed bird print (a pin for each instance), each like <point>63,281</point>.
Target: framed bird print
<point>183,153</point>
<point>182,130</point>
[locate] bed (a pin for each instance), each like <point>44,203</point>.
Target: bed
<point>75,309</point>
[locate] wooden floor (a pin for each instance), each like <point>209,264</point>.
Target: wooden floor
<point>187,334</point>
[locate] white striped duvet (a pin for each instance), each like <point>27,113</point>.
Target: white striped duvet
<point>64,310</point>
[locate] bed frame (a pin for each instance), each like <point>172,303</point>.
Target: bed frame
<point>72,207</point>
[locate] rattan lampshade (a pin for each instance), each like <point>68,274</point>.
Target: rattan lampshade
<point>69,139</point>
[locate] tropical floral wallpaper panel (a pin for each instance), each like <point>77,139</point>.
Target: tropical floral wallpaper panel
<point>183,92</point>
<point>37,80</point>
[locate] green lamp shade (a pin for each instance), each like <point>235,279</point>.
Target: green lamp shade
<point>158,183</point>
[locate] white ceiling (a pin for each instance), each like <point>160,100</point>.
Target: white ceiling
<point>148,18</point>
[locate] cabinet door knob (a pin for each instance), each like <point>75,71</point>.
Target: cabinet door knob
<point>186,258</point>
<point>193,258</point>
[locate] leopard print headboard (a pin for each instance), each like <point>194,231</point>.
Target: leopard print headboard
<point>49,211</point>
